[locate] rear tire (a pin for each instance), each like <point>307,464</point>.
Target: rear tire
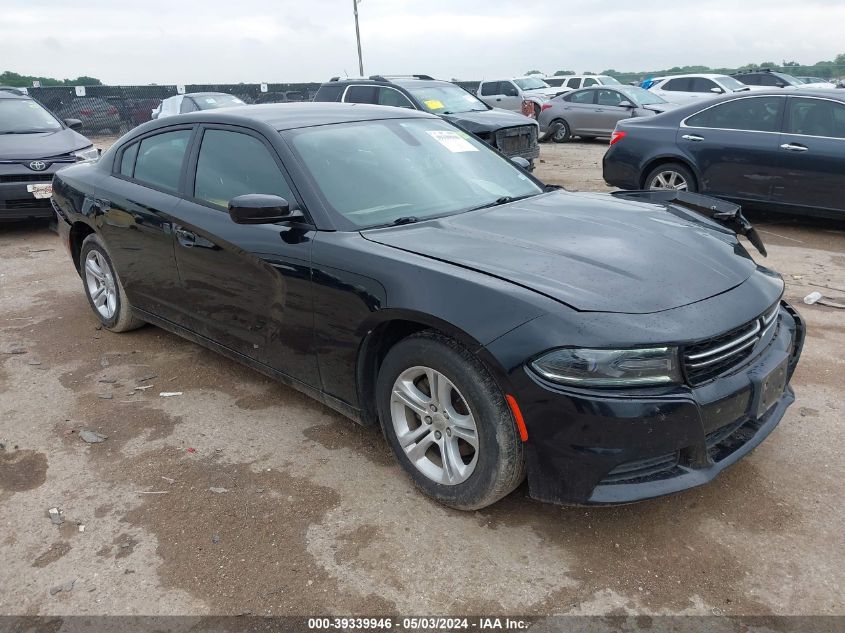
<point>671,176</point>
<point>560,132</point>
<point>460,445</point>
<point>103,287</point>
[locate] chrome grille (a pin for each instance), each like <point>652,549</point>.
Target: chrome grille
<point>707,359</point>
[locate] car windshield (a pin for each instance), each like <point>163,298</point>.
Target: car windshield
<point>377,173</point>
<point>609,81</point>
<point>21,116</point>
<point>210,102</point>
<point>447,99</point>
<point>531,83</point>
<point>640,96</point>
<point>730,83</point>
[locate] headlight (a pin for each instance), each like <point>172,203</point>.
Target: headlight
<point>610,367</point>
<point>88,153</point>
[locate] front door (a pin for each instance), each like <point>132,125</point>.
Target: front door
<point>812,150</point>
<point>734,144</point>
<point>249,286</point>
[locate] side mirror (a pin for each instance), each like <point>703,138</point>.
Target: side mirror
<point>73,124</point>
<point>626,104</point>
<point>259,208</point>
<point>717,90</point>
<point>521,162</point>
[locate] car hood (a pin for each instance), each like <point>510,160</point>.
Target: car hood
<point>488,120</point>
<point>589,251</point>
<point>41,144</point>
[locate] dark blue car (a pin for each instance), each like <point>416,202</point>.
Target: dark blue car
<point>785,150</point>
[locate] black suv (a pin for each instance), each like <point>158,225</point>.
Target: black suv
<point>509,132</point>
<point>767,78</point>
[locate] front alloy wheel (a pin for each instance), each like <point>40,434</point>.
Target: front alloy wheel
<point>434,425</point>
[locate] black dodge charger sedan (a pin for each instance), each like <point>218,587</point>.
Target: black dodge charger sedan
<point>404,273</point>
<point>782,150</point>
<point>33,145</point>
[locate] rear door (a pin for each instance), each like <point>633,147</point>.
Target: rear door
<point>734,145</point>
<point>138,219</point>
<point>812,151</point>
<point>578,110</point>
<point>249,286</point>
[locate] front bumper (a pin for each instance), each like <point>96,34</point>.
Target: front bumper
<point>16,201</point>
<point>608,447</point>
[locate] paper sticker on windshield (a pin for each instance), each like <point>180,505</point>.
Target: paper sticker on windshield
<point>453,141</point>
<point>433,104</point>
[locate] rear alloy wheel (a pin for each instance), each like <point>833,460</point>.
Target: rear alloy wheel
<point>103,287</point>
<point>672,177</point>
<point>560,131</point>
<point>448,423</point>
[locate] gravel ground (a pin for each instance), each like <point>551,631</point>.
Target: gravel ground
<point>241,495</point>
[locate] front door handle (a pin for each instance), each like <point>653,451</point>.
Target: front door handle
<point>794,147</point>
<point>185,238</point>
<point>692,137</point>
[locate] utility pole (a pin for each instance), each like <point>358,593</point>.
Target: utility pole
<point>358,37</point>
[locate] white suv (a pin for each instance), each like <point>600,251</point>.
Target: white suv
<point>574,82</point>
<point>514,94</point>
<point>686,88</point>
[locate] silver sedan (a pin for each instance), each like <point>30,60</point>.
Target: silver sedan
<point>595,111</point>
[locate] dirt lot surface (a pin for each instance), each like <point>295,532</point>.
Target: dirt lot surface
<point>241,495</point>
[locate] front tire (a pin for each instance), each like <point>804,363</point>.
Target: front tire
<point>103,287</point>
<point>448,423</point>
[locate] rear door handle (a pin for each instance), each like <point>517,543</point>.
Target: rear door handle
<point>692,137</point>
<point>794,147</point>
<point>185,238</point>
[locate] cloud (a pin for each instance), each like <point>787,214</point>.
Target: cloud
<point>210,41</point>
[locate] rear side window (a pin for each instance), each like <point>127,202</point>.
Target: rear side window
<point>361,94</point>
<point>127,161</point>
<point>489,88</point>
<point>816,117</point>
<point>232,164</point>
<point>750,80</point>
<point>758,114</point>
<point>159,161</point>
<point>582,96</point>
<point>682,84</point>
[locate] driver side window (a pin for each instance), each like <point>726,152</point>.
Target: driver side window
<point>609,98</point>
<point>233,164</point>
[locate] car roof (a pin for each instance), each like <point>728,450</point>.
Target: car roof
<point>289,116</point>
<point>703,75</point>
<point>6,94</point>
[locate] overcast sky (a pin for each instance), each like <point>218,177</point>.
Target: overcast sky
<point>229,41</point>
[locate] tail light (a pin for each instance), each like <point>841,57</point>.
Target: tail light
<point>545,106</point>
<point>112,110</point>
<point>86,112</point>
<point>617,136</point>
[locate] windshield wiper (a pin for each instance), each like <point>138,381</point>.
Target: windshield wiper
<point>408,219</point>
<point>503,200</point>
